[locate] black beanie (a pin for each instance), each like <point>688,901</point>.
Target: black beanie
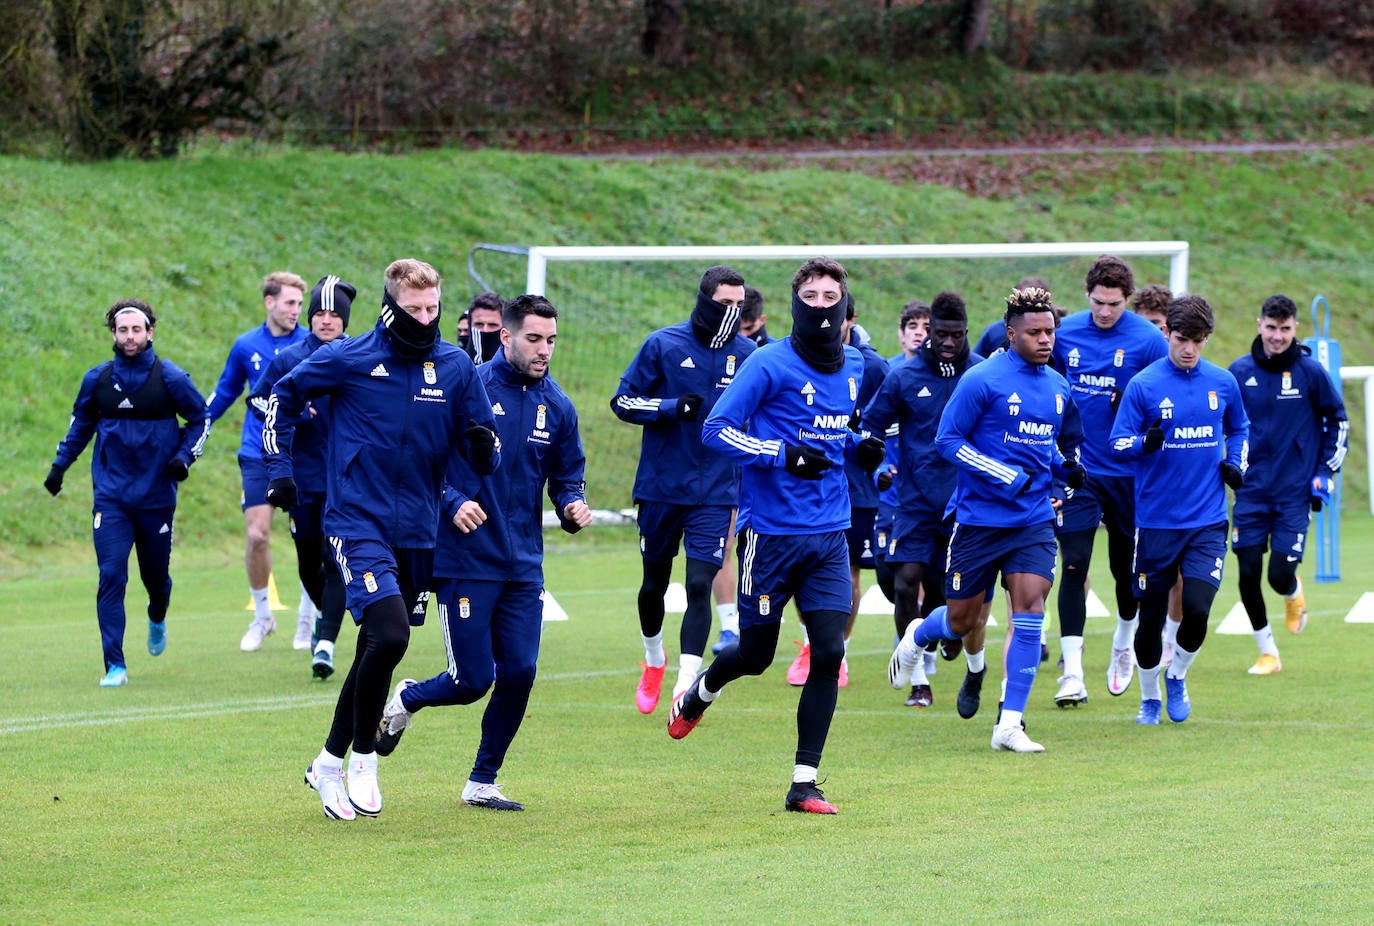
<point>331,294</point>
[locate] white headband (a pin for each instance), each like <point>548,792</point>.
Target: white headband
<point>147,322</point>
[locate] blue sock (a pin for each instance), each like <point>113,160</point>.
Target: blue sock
<point>935,628</point>
<point>1023,659</point>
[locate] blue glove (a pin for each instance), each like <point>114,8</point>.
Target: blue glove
<point>1321,491</point>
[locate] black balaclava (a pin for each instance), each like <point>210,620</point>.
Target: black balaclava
<point>714,324</point>
<point>818,334</point>
<point>483,345</point>
<point>760,335</point>
<point>412,340</point>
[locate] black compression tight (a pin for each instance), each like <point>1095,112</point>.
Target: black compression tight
<point>383,637</point>
<point>1192,631</point>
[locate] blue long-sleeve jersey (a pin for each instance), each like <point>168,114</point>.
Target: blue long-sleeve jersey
<point>308,453</point>
<point>778,399</point>
<point>913,397</point>
<point>249,356</point>
<point>131,406</point>
<point>1098,362</point>
<point>1200,410</point>
<point>1298,427</point>
<point>673,465</point>
<point>393,423</point>
<point>1000,428</point>
<point>541,445</point>
<point>863,492</point>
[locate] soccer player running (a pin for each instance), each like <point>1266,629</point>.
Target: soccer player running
<point>1000,429</point>
<point>489,560</point>
<point>913,397</point>
<point>401,402</point>
<point>282,296</point>
<point>130,405</point>
<point>1183,424</point>
<point>1298,432</point>
<point>686,493</point>
<point>1099,350</point>
<point>786,419</point>
<point>331,302</point>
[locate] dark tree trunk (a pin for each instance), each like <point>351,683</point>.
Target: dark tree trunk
<point>664,41</point>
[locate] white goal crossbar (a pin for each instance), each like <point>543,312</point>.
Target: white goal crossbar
<point>1176,251</point>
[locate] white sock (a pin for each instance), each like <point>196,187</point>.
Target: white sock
<point>260,606</point>
<point>307,607</point>
<point>1149,685</point>
<point>1297,590</point>
<point>804,774</point>
<point>918,674</point>
<point>1003,695</point>
<point>687,669</point>
<point>1264,638</point>
<point>1182,660</point>
<point>705,693</point>
<point>1124,638</point>
<point>976,662</point>
<point>326,645</point>
<point>327,758</point>
<point>1072,648</point>
<point>729,617</point>
<point>1010,718</point>
<point>1171,632</point>
<point>653,651</point>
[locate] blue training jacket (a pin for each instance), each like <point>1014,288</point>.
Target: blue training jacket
<point>1298,427</point>
<point>1098,362</point>
<point>778,399</point>
<point>393,423</point>
<point>1179,486</point>
<point>248,358</point>
<point>673,465</point>
<point>913,397</point>
<point>540,445</point>
<point>308,446</point>
<point>1001,429</point>
<point>134,442</point>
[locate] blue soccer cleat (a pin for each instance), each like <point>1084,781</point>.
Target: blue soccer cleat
<point>1149,712</point>
<point>157,637</point>
<point>727,638</point>
<point>1177,691</point>
<point>115,677</point>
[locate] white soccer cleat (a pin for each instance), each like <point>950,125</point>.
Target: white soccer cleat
<point>305,629</point>
<point>1072,692</point>
<point>1013,739</point>
<point>1120,670</point>
<point>395,720</point>
<point>363,791</point>
<point>329,783</point>
<point>904,658</point>
<point>260,629</point>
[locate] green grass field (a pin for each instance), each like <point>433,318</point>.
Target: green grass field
<point>179,797</point>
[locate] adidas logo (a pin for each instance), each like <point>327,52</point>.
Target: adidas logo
<point>166,529</point>
<point>1251,382</point>
<point>924,393</point>
<point>125,403</point>
<point>1014,398</point>
<point>497,409</point>
<point>379,370</point>
<point>825,323</point>
<point>688,364</point>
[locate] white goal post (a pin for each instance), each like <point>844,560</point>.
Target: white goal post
<point>1177,251</point>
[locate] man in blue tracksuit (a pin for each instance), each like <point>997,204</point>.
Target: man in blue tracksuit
<point>1099,350</point>
<point>331,303</point>
<point>786,419</point>
<point>1182,423</point>
<point>489,561</point>
<point>283,295</point>
<point>913,397</point>
<point>1001,429</point>
<point>401,402</point>
<point>130,405</point>
<point>685,493</point>
<point>1298,433</point>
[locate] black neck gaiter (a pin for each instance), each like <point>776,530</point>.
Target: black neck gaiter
<point>715,325</point>
<point>817,334</point>
<point>411,339</point>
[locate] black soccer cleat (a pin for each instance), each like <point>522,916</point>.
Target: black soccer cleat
<point>970,693</point>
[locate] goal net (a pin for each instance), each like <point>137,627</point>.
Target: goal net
<point>610,298</point>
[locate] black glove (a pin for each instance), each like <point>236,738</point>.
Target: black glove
<point>177,470</point>
<point>53,482</point>
<point>870,453</point>
<point>1154,437</point>
<point>1232,476</point>
<point>481,447</point>
<point>1115,400</point>
<point>1075,477</point>
<point>885,480</point>
<point>689,406</point>
<point>804,462</point>
<point>281,493</point>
